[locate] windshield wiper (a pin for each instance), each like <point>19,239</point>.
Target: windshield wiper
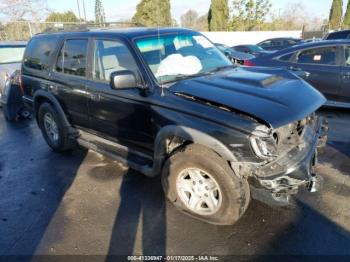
<point>183,77</point>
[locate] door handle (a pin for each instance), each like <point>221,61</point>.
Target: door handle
<point>95,97</point>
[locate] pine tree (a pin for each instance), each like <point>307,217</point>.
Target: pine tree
<point>336,14</point>
<point>153,13</point>
<point>346,22</point>
<point>218,15</point>
<point>100,17</point>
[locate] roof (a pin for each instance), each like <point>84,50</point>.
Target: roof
<point>126,32</point>
<point>12,43</point>
<point>313,44</point>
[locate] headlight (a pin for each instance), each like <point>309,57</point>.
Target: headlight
<point>264,147</point>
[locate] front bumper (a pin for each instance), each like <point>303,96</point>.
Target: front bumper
<point>281,178</point>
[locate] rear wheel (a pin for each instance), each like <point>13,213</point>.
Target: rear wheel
<point>53,129</point>
<point>201,184</point>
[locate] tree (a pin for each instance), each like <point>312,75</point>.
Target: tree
<point>249,14</point>
<point>189,19</point>
<point>202,23</point>
<point>16,10</point>
<point>336,14</point>
<point>153,13</point>
<point>68,16</point>
<point>100,17</point>
<point>346,22</point>
<point>218,15</point>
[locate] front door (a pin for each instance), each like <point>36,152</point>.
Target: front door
<point>345,87</point>
<point>123,115</point>
<point>322,69</point>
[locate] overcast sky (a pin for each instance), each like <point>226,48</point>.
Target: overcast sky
<point>123,9</point>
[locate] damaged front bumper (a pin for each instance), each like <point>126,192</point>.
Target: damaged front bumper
<point>276,181</point>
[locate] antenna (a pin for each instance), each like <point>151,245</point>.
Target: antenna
<point>160,55</point>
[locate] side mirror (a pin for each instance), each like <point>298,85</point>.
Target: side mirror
<point>123,79</point>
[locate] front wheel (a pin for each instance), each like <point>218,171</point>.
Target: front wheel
<point>201,184</point>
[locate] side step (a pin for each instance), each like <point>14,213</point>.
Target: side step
<point>133,159</point>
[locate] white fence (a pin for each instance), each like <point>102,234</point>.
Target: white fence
<point>237,38</point>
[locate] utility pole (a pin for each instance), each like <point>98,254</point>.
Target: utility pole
<point>84,11</point>
<point>79,11</point>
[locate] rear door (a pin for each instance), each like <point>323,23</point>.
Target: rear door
<point>322,69</point>
<point>69,79</point>
<point>345,86</point>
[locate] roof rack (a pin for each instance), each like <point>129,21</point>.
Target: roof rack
<point>79,27</point>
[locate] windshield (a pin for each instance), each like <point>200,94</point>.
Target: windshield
<point>178,56</point>
<point>11,54</point>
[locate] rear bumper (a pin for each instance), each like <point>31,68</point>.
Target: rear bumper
<point>282,177</point>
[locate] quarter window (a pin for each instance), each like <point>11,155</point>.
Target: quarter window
<point>347,55</point>
<point>319,56</point>
<point>109,57</point>
<point>72,57</point>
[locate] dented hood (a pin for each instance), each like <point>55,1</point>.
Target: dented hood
<point>274,96</point>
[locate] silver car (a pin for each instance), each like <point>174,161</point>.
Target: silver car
<point>11,54</point>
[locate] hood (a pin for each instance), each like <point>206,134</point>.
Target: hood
<point>274,96</point>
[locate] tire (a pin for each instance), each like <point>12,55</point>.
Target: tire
<point>58,138</point>
<point>223,205</point>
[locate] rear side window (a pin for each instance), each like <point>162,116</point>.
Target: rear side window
<point>72,57</point>
<point>38,53</point>
<point>319,56</point>
<point>286,58</point>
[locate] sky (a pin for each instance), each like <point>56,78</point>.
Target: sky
<point>124,9</point>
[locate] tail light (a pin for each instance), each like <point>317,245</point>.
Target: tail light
<point>248,63</point>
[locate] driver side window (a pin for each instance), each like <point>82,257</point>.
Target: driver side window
<point>111,56</point>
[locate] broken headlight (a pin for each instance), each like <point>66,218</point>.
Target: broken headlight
<point>264,147</point>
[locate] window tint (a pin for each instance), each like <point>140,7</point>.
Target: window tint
<point>111,56</point>
<point>338,35</point>
<point>347,55</point>
<point>72,57</point>
<point>286,58</point>
<point>38,52</point>
<point>321,56</point>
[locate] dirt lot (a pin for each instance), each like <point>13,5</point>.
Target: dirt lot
<point>85,204</point>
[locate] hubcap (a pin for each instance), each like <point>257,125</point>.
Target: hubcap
<point>51,127</point>
<point>199,191</point>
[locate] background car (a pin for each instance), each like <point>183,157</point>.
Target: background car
<point>275,44</point>
<point>11,100</point>
<point>324,64</point>
<point>251,49</point>
<point>235,56</point>
<point>344,34</point>
<point>11,54</point>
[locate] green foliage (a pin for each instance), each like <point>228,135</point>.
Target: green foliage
<point>100,16</point>
<point>249,15</point>
<point>336,14</point>
<point>68,16</point>
<point>153,13</point>
<point>346,22</point>
<point>189,19</point>
<point>218,16</point>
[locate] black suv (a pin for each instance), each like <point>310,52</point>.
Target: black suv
<point>167,101</point>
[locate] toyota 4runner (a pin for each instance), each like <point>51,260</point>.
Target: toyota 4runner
<point>167,101</point>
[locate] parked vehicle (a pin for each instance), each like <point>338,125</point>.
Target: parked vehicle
<point>235,56</point>
<point>344,34</point>
<point>324,64</point>
<point>275,44</point>
<point>11,54</point>
<point>251,49</point>
<point>11,100</point>
<point>167,101</point>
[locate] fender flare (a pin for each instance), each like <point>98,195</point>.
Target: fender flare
<point>53,100</point>
<point>188,134</point>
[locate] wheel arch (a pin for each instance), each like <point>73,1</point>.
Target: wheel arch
<point>188,135</point>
